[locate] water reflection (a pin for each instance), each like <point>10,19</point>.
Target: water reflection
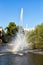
<point>3,60</point>
<point>26,59</point>
<point>11,59</point>
<point>35,59</point>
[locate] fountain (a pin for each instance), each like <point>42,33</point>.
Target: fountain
<point>19,43</point>
<point>20,40</point>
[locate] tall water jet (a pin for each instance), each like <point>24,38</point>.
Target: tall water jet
<point>20,40</point>
<point>21,16</point>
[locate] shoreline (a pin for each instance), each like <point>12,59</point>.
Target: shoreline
<point>34,51</point>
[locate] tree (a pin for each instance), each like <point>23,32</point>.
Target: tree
<point>11,30</point>
<point>36,36</point>
<point>39,33</point>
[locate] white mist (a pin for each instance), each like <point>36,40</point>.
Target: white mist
<point>20,40</point>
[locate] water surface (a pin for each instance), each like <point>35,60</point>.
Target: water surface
<point>26,59</point>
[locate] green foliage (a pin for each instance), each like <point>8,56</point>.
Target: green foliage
<point>11,29</point>
<point>36,36</point>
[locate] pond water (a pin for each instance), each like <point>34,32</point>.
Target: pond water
<point>26,59</point>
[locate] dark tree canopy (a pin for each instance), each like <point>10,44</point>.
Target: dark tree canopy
<point>11,29</point>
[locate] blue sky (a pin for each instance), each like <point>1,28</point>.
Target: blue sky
<point>10,11</point>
